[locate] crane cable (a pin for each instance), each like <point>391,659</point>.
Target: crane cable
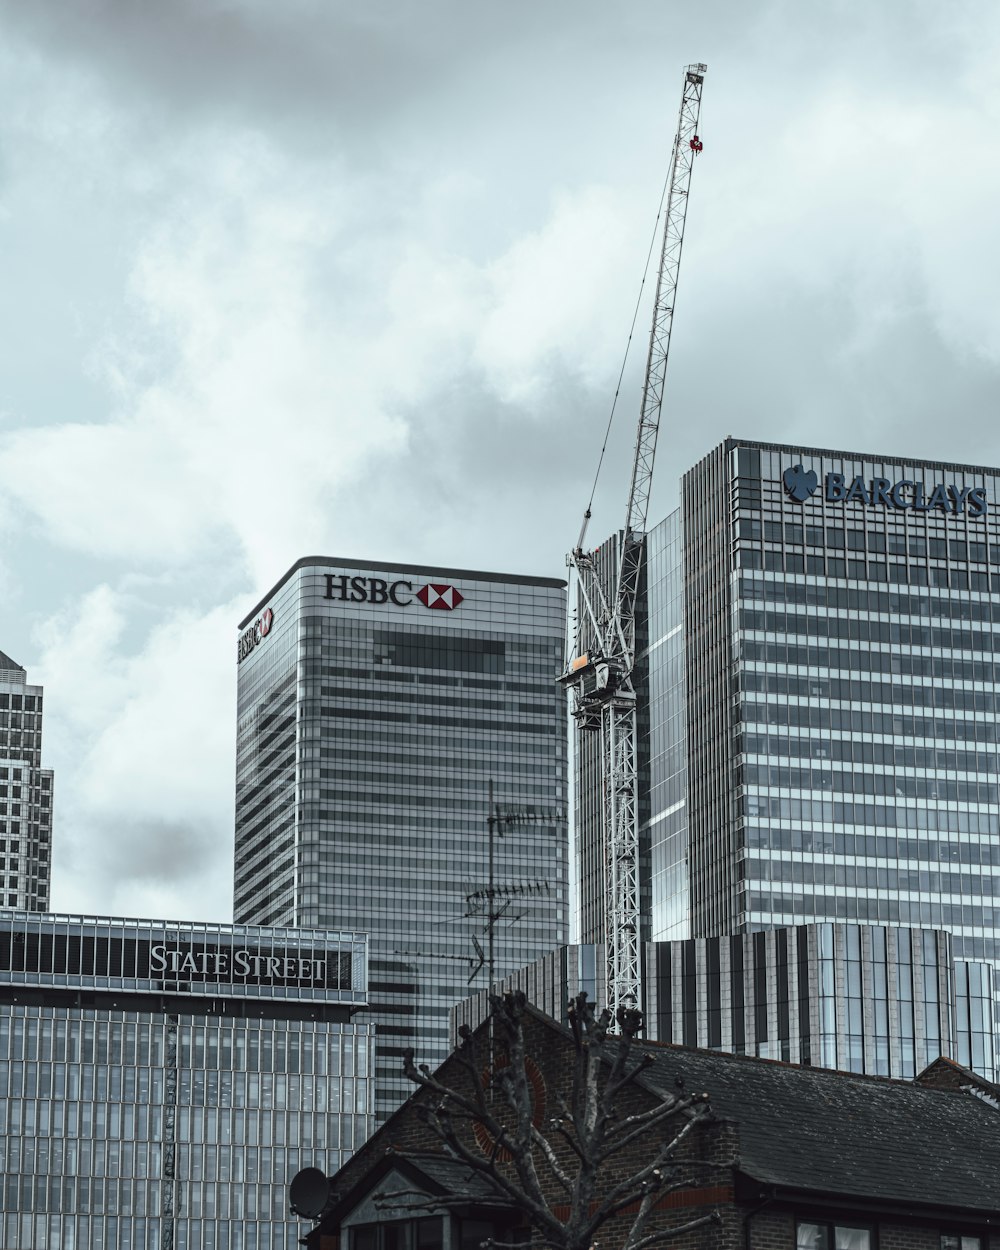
<point>628,347</point>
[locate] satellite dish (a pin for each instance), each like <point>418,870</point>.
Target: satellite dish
<point>309,1193</point>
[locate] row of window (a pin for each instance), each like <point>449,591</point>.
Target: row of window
<point>813,1235</point>
<point>896,696</point>
<point>261,1046</point>
<point>857,628</point>
<point>28,1231</point>
<point>869,845</point>
<point>769,909</point>
<point>865,660</point>
<point>868,599</point>
<point>46,1156</point>
<point>858,751</point>
<point>213,1126</point>
<point>387,716</point>
<point>808,872</point>
<point>97,1195</point>
<point>336,738</point>
<point>857,720</point>
<point>27,702</point>
<point>896,543</point>
<point>872,571</point>
<point>840,781</point>
<point>425,1234</point>
<point>249,1090</point>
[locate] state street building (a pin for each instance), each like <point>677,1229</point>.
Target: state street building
<point>161,1081</point>
<point>819,695</point>
<point>377,704</point>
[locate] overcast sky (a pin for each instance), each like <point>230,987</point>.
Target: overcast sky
<point>356,279</point>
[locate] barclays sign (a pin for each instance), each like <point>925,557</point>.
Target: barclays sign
<point>801,483</point>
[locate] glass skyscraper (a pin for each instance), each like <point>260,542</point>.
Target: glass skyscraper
<point>377,704</point>
<point>161,1082</point>
<point>25,793</point>
<point>819,700</point>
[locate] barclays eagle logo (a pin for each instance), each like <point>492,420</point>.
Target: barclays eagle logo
<point>800,483</point>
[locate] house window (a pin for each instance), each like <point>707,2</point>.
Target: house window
<point>959,1241</point>
<point>399,1235</point>
<point>816,1236</point>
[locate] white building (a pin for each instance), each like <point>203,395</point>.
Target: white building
<point>25,794</point>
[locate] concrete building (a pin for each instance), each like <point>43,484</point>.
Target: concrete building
<point>25,794</point>
<point>377,705</point>
<point>819,700</point>
<point>161,1081</point>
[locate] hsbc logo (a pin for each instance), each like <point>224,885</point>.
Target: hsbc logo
<point>441,598</point>
<point>438,596</point>
<point>252,637</point>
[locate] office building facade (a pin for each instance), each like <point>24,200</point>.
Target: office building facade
<point>377,705</point>
<point>820,698</point>
<point>25,793</point>
<point>860,998</point>
<point>161,1082</point>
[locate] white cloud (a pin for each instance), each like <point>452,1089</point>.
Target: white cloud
<point>562,295</point>
<point>255,402</point>
<point>142,743</point>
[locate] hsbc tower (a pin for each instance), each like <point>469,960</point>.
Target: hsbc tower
<point>376,705</point>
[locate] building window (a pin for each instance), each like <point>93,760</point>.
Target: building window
<point>959,1241</point>
<point>816,1236</point>
<point>399,1235</point>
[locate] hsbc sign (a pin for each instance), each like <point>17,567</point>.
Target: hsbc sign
<point>438,596</point>
<point>254,635</point>
<point>442,598</point>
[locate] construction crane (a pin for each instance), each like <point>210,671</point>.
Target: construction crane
<point>600,666</point>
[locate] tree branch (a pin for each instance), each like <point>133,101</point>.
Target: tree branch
<point>551,1159</point>
<point>667,1234</point>
<point>575,1144</point>
<point>695,1117</point>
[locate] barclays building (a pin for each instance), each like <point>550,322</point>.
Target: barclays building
<point>819,697</point>
<point>160,1082</point>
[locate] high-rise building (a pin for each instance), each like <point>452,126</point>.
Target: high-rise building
<point>160,1082</point>
<point>25,793</point>
<point>819,699</point>
<point>377,705</point>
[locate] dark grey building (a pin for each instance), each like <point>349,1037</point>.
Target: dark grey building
<point>377,703</point>
<point>25,793</point>
<point>820,699</point>
<point>161,1081</point>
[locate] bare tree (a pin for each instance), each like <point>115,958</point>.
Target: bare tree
<point>574,1161</point>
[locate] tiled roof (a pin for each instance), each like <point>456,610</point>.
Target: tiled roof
<point>6,663</point>
<point>867,1137</point>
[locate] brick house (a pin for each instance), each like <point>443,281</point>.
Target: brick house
<point>793,1158</point>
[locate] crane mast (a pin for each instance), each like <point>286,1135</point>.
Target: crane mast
<point>599,671</point>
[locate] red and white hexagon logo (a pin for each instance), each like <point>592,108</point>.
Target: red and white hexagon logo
<point>266,617</point>
<point>442,598</point>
